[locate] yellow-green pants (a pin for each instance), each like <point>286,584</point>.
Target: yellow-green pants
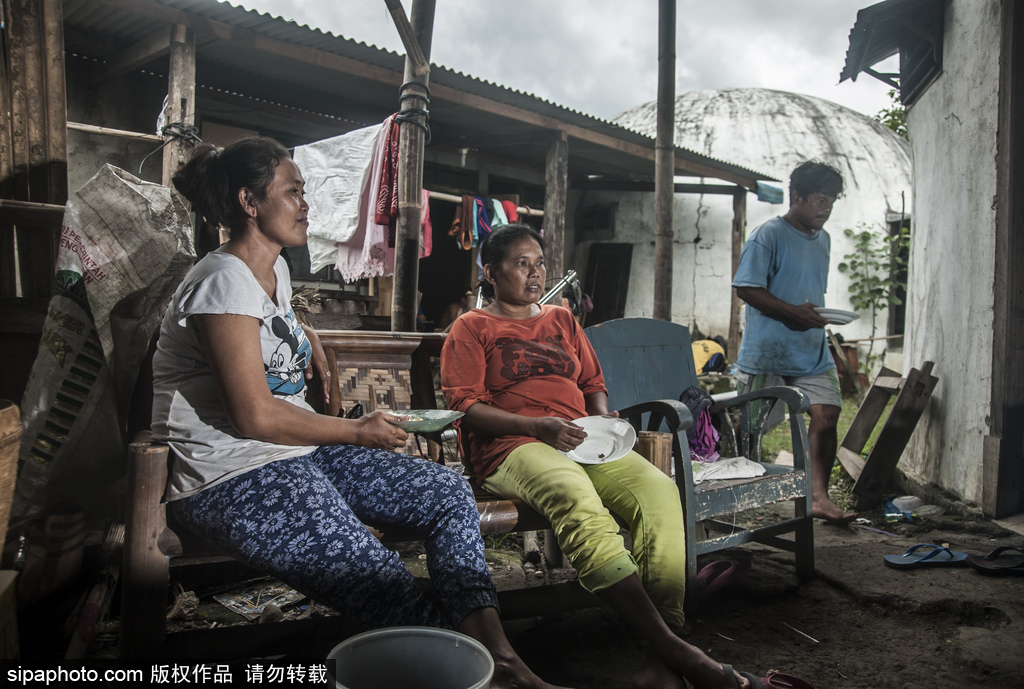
<point>576,499</point>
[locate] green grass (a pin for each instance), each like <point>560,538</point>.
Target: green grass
<point>840,485</point>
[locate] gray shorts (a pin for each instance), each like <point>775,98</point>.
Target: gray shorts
<point>822,388</point>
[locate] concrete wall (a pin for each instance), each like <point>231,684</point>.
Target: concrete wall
<point>701,262</point>
<point>949,315</point>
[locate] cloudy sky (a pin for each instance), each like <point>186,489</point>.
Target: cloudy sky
<point>601,56</point>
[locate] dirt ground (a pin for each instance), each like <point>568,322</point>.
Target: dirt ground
<point>857,625</point>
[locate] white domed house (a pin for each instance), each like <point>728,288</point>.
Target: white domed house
<point>770,132</point>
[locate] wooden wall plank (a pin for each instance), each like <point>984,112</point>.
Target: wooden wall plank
<point>56,160</point>
<point>8,272</point>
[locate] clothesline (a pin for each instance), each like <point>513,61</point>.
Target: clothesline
<point>441,196</point>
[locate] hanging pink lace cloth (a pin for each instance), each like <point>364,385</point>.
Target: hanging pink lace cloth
<point>368,255</point>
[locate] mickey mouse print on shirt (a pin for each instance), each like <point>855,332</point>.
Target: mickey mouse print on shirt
<point>289,355</point>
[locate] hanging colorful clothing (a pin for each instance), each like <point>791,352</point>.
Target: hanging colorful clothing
<point>511,211</point>
<point>499,214</point>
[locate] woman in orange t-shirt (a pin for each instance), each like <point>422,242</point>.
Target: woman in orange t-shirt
<point>521,372</point>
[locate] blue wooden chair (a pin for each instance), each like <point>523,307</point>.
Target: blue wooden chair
<point>646,359</point>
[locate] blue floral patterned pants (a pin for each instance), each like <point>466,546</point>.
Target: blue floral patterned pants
<point>300,520</point>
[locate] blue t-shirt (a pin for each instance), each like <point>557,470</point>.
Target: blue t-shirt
<point>793,266</point>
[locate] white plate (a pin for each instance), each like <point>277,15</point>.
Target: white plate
<point>607,439</point>
<point>836,316</point>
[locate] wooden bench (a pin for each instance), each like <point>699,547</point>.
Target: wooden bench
<point>380,371</point>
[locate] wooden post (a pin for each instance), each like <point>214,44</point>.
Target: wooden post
<point>181,98</point>
<point>56,103</point>
<point>145,572</point>
<point>556,188</point>
<point>1003,458</point>
<point>664,161</point>
<point>739,224</point>
<point>414,96</point>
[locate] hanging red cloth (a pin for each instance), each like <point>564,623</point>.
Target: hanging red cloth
<point>387,197</point>
<point>510,210</point>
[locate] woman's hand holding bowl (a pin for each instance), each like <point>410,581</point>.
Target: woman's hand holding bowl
<point>375,430</point>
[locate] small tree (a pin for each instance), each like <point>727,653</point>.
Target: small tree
<point>873,265</point>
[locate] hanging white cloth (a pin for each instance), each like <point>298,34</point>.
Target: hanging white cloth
<point>338,176</point>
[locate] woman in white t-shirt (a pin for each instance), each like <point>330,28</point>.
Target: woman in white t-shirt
<point>263,476</point>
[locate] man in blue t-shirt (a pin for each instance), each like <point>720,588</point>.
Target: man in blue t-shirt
<point>782,276</point>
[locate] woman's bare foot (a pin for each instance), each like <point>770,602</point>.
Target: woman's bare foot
<point>654,675</point>
<point>695,666</point>
<point>512,673</point>
<point>829,511</point>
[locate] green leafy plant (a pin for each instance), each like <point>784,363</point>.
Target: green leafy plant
<point>873,265</point>
<point>895,116</point>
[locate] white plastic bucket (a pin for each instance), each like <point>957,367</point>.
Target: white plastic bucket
<point>405,657</point>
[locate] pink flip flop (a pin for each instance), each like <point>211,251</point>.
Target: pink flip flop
<point>777,680</point>
<point>719,574</point>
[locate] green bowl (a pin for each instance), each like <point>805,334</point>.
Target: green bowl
<point>425,420</point>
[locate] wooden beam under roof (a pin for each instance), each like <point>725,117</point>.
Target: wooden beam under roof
<point>327,60</point>
<point>152,47</point>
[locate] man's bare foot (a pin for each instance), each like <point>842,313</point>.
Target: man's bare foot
<point>830,512</point>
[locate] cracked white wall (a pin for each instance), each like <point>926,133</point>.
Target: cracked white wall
<point>950,312</point>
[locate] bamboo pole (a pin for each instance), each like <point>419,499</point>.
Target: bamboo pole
<point>664,161</point>
<point>414,96</point>
<point>420,63</point>
<point>108,131</point>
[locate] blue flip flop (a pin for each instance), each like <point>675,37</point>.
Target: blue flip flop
<point>938,556</point>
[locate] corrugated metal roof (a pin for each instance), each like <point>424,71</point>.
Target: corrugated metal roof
<point>99,29</point>
<point>912,28</point>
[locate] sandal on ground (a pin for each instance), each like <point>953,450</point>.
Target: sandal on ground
<point>938,556</point>
<point>718,575</point>
<point>775,680</point>
<point>1001,561</point>
<point>730,678</point>
<point>778,680</point>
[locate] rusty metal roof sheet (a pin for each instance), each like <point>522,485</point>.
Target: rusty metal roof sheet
<point>232,56</point>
